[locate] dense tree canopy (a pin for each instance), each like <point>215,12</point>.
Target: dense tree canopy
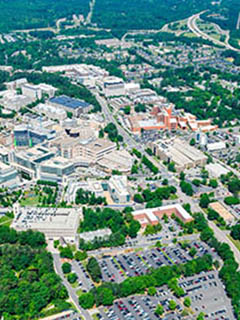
<point>28,282</point>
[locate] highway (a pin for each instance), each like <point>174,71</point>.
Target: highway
<point>195,29</point>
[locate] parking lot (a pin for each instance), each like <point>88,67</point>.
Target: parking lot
<point>117,268</point>
<point>140,308</point>
<point>205,291</point>
<point>208,296</point>
<point>84,281</point>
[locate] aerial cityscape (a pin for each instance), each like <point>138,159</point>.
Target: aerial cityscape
<point>120,160</point>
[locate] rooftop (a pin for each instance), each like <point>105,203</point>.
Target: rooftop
<point>34,154</point>
<point>69,102</point>
<point>57,162</point>
<point>46,218</point>
<point>221,210</point>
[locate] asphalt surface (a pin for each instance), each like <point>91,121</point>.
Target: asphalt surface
<point>72,294</point>
<point>194,28</point>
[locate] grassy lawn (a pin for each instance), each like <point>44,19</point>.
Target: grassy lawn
<point>5,220</point>
<point>235,242</point>
<point>74,285</point>
<point>79,292</point>
<point>94,316</point>
<point>189,35</point>
<point>29,201</point>
<point>216,36</point>
<point>173,197</point>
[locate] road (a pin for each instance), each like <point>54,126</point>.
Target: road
<point>110,118</point>
<point>238,22</point>
<point>72,293</point>
<point>195,29</point>
<point>52,29</point>
<point>221,236</point>
<point>141,243</point>
<point>89,16</point>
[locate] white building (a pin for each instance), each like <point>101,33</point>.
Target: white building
<point>113,86</point>
<point>131,87</point>
<point>94,186</point>
<point>8,176</point>
<point>91,235</point>
<point>51,111</point>
<point>36,92</point>
<point>216,146</point>
<point>119,160</point>
<point>118,189</point>
<point>56,169</point>
<point>13,101</point>
<point>216,170</point>
<point>16,84</point>
<point>53,222</point>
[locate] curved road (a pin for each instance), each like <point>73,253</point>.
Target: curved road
<point>72,293</point>
<point>195,29</point>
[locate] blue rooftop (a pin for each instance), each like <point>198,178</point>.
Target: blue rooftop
<point>69,102</point>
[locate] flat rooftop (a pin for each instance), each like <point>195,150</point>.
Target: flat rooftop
<point>69,102</point>
<point>57,162</point>
<point>100,144</point>
<point>221,210</point>
<point>46,218</point>
<point>34,153</point>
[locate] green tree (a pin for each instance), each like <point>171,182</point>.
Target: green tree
<point>186,188</point>
<point>234,186</point>
<point>152,291</point>
<point>187,302</point>
<point>204,200</point>
<point>159,310</point>
<point>171,167</point>
<point>138,198</point>
<point>192,252</point>
<point>192,142</point>
<point>101,134</point>
<point>165,182</point>
<point>56,243</point>
<point>133,229</point>
<point>196,182</point>
<point>104,296</point>
<point>235,232</point>
<point>94,269</point>
<point>213,183</point>
<point>231,201</point>
<point>72,277</point>
<point>80,255</point>
<point>201,316</point>
<point>127,110</point>
<point>182,175</point>
<point>66,253</point>
<point>86,300</point>
<point>66,267</point>
<point>69,114</point>
<point>172,305</point>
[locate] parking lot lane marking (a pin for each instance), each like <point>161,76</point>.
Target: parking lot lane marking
<point>120,268</point>
<point>143,260</point>
<point>166,255</point>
